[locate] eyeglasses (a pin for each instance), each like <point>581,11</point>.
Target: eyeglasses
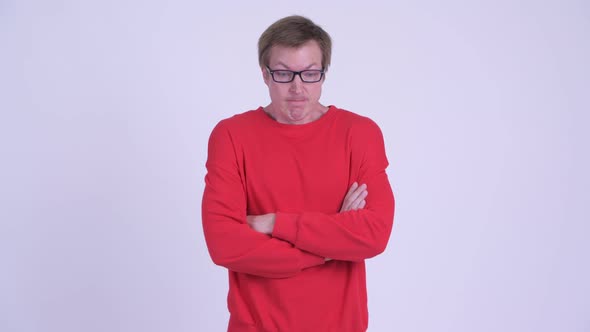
<point>286,76</point>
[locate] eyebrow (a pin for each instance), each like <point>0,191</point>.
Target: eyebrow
<point>287,67</point>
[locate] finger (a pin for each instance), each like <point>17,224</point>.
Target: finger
<point>346,202</point>
<point>357,192</point>
<point>356,204</point>
<point>353,187</point>
<point>362,205</point>
<point>354,199</point>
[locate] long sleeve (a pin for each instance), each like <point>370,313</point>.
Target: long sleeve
<point>230,240</point>
<point>352,235</point>
<point>301,173</point>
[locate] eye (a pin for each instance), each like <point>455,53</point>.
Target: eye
<point>283,74</point>
<point>311,74</point>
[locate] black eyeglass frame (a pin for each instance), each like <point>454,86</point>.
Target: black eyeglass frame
<point>296,73</point>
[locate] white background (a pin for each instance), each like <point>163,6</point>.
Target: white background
<point>106,108</point>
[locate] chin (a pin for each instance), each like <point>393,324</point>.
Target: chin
<point>297,113</point>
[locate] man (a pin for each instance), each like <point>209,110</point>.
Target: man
<point>296,196</point>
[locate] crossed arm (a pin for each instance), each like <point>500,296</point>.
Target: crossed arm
<point>280,244</point>
<point>354,200</point>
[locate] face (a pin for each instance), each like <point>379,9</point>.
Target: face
<point>295,102</point>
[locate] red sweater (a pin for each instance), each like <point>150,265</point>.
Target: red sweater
<point>281,282</point>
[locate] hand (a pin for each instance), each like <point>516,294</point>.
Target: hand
<point>355,198</point>
<point>263,223</point>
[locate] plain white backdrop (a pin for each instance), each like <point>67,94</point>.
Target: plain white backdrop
<point>106,108</point>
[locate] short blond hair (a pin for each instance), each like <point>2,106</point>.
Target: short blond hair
<point>294,31</point>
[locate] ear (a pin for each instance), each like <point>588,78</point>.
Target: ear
<point>265,75</point>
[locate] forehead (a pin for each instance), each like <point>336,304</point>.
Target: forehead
<point>305,55</point>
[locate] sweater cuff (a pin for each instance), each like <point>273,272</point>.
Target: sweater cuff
<point>286,227</point>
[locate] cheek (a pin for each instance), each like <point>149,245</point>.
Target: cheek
<point>316,92</point>
<point>279,90</point>
<point>275,92</point>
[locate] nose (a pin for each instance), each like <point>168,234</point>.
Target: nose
<point>296,84</point>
